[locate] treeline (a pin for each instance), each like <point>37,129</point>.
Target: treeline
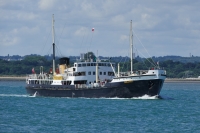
<point>175,69</point>
<point>24,66</point>
<point>191,58</point>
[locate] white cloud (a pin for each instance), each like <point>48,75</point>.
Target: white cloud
<point>9,41</point>
<point>46,4</point>
<point>124,37</point>
<point>26,16</point>
<point>118,19</point>
<point>81,31</point>
<point>25,30</point>
<point>160,25</point>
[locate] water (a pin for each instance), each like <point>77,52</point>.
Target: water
<point>179,111</point>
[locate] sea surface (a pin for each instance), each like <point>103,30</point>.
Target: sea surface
<point>178,112</point>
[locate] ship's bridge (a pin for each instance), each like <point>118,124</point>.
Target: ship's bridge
<point>86,71</point>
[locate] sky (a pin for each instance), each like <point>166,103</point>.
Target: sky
<point>160,27</point>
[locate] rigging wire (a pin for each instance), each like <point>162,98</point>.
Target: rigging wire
<point>45,42</point>
<point>124,62</point>
<point>60,37</point>
<point>82,41</point>
<point>57,46</point>
<point>62,32</point>
<point>91,41</point>
<point>141,59</point>
<point>49,50</point>
<point>86,42</point>
<point>120,60</point>
<point>145,48</point>
<point>58,50</point>
<point>146,58</point>
<point>150,61</point>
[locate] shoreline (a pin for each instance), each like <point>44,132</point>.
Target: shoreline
<point>12,78</point>
<point>177,80</point>
<point>167,80</point>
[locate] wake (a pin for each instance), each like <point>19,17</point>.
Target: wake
<point>14,95</point>
<point>146,97</point>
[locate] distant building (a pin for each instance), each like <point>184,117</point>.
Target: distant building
<point>82,55</point>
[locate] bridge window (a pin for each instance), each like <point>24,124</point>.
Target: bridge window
<point>80,74</point>
<point>89,73</point>
<point>110,73</point>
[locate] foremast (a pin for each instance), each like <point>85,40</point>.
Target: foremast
<point>53,36</point>
<point>131,45</point>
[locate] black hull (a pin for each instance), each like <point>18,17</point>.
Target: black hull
<point>119,89</point>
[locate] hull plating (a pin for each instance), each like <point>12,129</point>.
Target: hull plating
<point>119,89</point>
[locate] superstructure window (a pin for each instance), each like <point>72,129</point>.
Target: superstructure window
<point>83,65</point>
<point>100,73</point>
<point>80,74</point>
<point>93,73</point>
<point>79,65</point>
<point>110,73</point>
<point>88,64</point>
<point>104,73</point>
<point>89,73</point>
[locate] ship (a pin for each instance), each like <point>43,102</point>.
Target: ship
<point>94,78</point>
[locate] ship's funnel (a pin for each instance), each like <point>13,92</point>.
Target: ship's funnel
<point>64,63</point>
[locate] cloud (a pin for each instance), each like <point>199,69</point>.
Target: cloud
<point>118,19</point>
<point>3,3</point>
<point>81,31</point>
<point>9,41</point>
<point>124,37</point>
<point>25,30</point>
<point>162,26</point>
<point>46,4</point>
<point>26,16</point>
<point>18,35</point>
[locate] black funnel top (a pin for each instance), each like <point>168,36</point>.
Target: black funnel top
<point>64,60</point>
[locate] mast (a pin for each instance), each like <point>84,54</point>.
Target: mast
<point>53,32</point>
<point>97,72</point>
<point>97,68</point>
<point>131,45</point>
<point>118,70</point>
